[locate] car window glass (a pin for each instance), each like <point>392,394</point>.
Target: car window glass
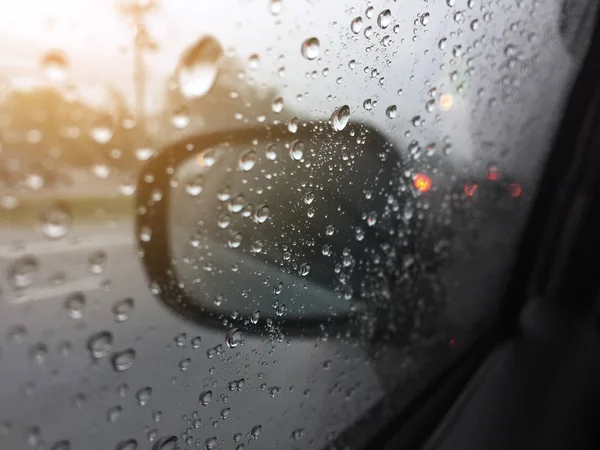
<point>390,155</point>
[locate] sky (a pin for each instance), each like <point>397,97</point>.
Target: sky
<point>98,43</point>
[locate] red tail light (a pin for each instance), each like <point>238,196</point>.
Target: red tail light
<point>422,182</point>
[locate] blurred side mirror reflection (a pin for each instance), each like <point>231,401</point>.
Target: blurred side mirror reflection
<point>263,226</point>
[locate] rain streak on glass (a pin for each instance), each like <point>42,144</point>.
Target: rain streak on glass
<point>310,48</point>
<point>198,68</point>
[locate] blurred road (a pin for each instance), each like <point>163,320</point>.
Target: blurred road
<point>276,375</point>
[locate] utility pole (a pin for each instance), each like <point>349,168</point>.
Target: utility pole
<point>136,11</point>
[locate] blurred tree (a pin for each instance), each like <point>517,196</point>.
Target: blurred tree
<point>47,124</point>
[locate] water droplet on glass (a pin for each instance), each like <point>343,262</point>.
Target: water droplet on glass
<point>144,153</point>
<point>206,398</point>
<point>277,105</point>
<point>166,443</point>
<point>425,19</point>
<point>123,360</point>
<point>127,444</point>
<point>97,262</point>
<point>123,309</point>
<point>146,234</point>
<point>237,204</point>
<point>34,181</point>
<point>101,171</point>
<point>198,68</point>
<point>23,271</point>
<point>185,364</point>
<point>391,111</point>
<point>271,153</point>
<point>113,413</point>
<point>474,24</point>
<point>297,150</point>
<point>234,337</point>
<point>180,339</point>
<point>56,220</point>
<point>254,61</point>
<point>367,104</point>
<point>356,25</point>
<point>61,445</point>
<point>298,434</point>
<point>262,214</point>
<point>442,43</point>
<point>276,7</point>
<point>128,187</point>
<point>369,12</point>
<point>102,129</point>
<point>143,395</point>
<point>368,32</point>
<point>255,432</point>
<point>293,125</point>
<point>235,240</point>
<point>55,66</point>
<point>195,186</point>
<point>100,344</point>
<point>75,304</point>
<point>384,18</point>
<point>340,118</point>
<point>223,221</point>
<point>459,17</point>
<point>310,48</point>
<point>210,443</point>
<point>247,160</point>
<point>39,352</point>
<point>181,117</point>
<point>304,269</point>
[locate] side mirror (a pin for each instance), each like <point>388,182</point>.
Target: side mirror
<point>299,230</point>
